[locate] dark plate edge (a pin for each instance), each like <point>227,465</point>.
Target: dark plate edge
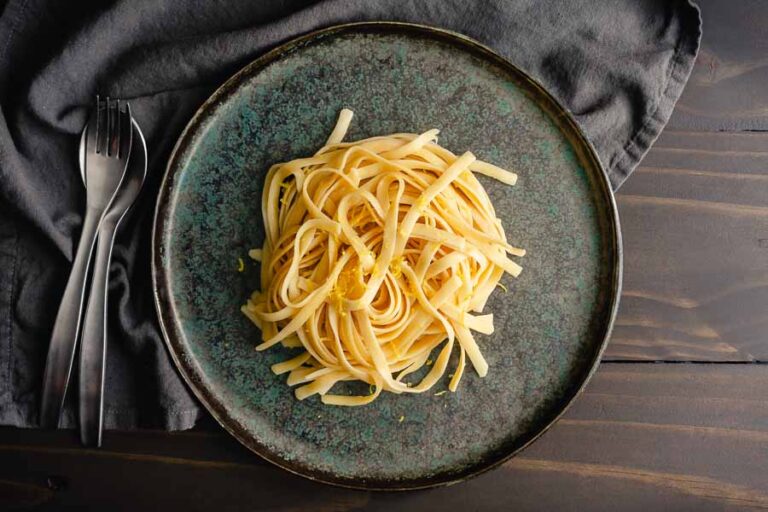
<point>163,305</point>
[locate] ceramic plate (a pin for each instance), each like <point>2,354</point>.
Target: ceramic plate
<point>551,326</point>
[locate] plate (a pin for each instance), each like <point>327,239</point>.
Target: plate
<point>551,326</point>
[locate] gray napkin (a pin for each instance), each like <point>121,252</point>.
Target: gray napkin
<point>618,65</point>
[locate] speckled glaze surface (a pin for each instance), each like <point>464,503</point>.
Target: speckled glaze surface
<point>550,327</point>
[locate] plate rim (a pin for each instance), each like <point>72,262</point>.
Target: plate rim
<point>164,306</point>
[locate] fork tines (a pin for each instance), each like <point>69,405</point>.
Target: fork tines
<point>112,124</point>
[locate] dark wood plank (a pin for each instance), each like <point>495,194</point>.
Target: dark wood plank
<point>642,437</point>
<point>727,90</point>
<point>695,226</point>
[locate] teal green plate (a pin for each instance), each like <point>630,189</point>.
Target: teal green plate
<point>551,326</point>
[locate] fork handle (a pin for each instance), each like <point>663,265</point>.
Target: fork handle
<point>93,352</point>
<point>61,352</point>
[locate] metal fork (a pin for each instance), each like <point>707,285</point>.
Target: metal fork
<point>93,343</point>
<point>107,147</point>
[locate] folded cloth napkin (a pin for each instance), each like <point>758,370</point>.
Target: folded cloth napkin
<point>618,65</point>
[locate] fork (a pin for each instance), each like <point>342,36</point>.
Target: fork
<point>93,343</point>
<point>107,147</point>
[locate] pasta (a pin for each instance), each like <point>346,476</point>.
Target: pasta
<point>378,252</point>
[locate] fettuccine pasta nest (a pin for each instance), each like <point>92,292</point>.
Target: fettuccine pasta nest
<point>378,252</point>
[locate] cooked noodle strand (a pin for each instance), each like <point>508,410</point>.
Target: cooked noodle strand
<point>377,253</point>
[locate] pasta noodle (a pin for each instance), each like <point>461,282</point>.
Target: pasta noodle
<point>378,252</point>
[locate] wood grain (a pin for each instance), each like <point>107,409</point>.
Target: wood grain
<point>695,225</point>
<point>16,494</point>
<point>642,437</point>
<point>726,90</point>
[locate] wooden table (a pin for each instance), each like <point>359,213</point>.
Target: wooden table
<point>676,417</point>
